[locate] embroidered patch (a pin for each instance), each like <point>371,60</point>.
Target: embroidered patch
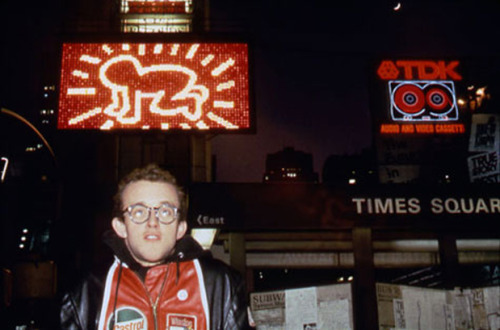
<point>182,295</point>
<point>128,318</point>
<point>181,322</point>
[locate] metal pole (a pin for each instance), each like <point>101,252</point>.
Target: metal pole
<point>364,291</point>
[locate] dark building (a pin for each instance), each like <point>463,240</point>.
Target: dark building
<point>359,169</point>
<point>290,165</point>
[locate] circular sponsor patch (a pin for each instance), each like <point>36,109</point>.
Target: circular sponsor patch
<point>128,318</point>
<point>182,295</point>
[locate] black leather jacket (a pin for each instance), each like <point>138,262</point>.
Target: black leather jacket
<point>225,291</point>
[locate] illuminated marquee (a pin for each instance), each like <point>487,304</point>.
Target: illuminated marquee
<point>156,25</point>
<point>422,96</point>
<point>154,86</point>
<point>157,6</point>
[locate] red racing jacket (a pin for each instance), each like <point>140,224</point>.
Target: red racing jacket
<point>191,291</point>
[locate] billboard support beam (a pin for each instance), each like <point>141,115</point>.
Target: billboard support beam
<point>364,291</point>
<point>237,253</point>
<point>448,257</point>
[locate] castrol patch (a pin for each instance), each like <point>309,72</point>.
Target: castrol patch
<point>128,318</point>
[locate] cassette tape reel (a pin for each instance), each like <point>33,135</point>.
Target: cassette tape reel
<point>423,100</point>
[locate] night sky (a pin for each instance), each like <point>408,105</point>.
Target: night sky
<point>312,66</point>
<point>310,63</point>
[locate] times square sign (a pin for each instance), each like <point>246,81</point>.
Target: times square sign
<point>422,97</point>
<point>161,86</point>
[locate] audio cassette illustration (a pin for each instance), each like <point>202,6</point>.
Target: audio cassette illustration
<point>423,100</point>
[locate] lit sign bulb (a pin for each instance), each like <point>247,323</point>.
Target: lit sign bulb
<point>5,162</point>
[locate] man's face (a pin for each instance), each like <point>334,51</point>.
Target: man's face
<point>152,241</point>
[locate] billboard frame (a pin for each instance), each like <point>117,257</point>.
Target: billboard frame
<point>166,38</point>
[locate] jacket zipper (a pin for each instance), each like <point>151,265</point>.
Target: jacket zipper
<point>154,305</point>
<point>154,316</point>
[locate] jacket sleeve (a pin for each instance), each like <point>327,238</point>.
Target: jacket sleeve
<point>80,306</point>
<point>226,293</point>
<point>69,318</point>
<point>236,305</point>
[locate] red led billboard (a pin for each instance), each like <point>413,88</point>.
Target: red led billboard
<point>165,86</point>
<point>422,97</point>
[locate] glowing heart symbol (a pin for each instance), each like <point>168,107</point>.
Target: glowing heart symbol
<point>121,94</point>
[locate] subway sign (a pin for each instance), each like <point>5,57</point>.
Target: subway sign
<point>155,86</point>
<point>422,97</point>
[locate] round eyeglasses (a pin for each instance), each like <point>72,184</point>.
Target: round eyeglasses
<point>140,213</point>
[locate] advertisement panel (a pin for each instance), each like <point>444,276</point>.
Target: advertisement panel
<point>422,97</point>
<point>484,146</point>
<point>162,86</point>
<point>420,118</point>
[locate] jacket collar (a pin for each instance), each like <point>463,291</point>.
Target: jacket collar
<point>186,249</point>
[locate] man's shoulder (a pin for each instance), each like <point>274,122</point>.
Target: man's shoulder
<point>86,281</point>
<point>80,302</point>
<point>209,261</point>
<point>215,268</point>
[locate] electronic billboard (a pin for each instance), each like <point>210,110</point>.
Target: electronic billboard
<point>421,97</point>
<point>155,86</point>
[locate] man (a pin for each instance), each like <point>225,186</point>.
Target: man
<point>160,278</point>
